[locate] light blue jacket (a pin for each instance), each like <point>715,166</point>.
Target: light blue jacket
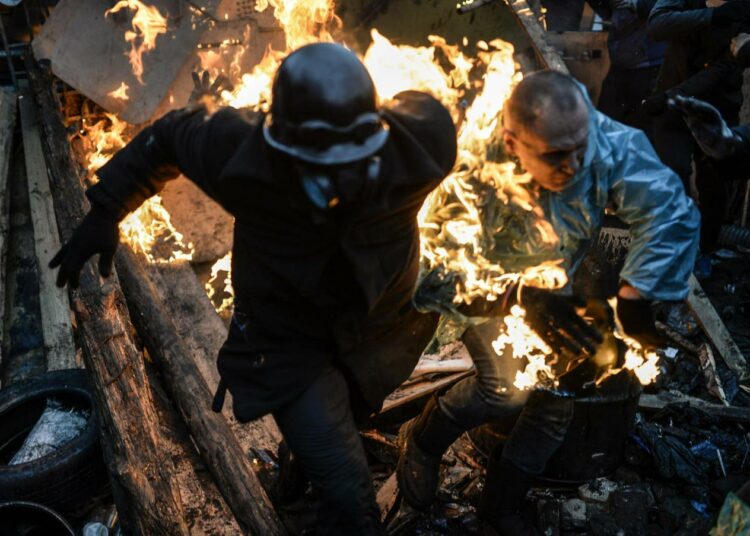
<point>620,168</point>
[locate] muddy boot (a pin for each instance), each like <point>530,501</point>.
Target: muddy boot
<point>423,441</point>
<point>501,504</point>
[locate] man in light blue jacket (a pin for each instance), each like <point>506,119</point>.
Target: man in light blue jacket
<point>581,162</point>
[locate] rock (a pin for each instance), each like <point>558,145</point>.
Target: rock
<point>597,490</point>
<point>573,514</point>
<point>602,524</point>
<point>631,505</point>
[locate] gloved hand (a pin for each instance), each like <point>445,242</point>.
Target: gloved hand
<point>554,318</point>
<point>204,88</point>
<point>637,320</point>
<point>655,104</point>
<point>734,11</point>
<point>97,233</point>
<point>709,129</point>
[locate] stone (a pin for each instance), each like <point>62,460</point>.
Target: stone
<point>597,490</point>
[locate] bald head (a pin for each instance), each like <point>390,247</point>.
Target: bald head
<point>542,100</point>
<point>545,125</point>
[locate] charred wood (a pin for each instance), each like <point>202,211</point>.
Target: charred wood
<point>145,494</point>
<point>214,439</point>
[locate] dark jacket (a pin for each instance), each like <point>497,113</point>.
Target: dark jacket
<point>698,62</point>
<point>630,46</point>
<point>311,287</point>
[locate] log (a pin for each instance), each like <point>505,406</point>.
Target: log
<point>215,441</point>
<point>715,330</point>
<point>203,332</point>
<point>658,402</point>
<point>57,330</point>
<point>141,474</point>
<point>7,127</point>
<point>546,54</point>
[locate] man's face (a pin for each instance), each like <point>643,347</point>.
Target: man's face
<point>552,151</point>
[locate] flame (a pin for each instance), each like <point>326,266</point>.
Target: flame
<point>223,265</point>
<point>148,229</point>
<point>147,24</point>
<point>121,93</point>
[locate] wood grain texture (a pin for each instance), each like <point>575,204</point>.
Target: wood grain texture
<point>57,330</point>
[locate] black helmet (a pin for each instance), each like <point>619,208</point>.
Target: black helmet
<point>323,107</point>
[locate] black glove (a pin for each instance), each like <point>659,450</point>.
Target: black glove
<point>734,11</point>
<point>97,233</point>
<point>709,129</point>
<point>554,318</point>
<point>655,104</point>
<point>637,321</point>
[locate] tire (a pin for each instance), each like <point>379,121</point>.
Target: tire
<point>68,479</point>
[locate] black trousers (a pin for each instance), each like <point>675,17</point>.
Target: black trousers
<point>320,429</point>
<point>677,149</point>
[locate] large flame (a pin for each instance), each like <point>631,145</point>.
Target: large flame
<point>150,224</point>
<point>147,24</point>
<point>468,223</point>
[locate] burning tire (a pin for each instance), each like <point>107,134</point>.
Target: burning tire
<point>69,477</point>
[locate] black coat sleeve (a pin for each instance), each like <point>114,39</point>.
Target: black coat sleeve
<point>674,19</point>
<point>709,79</point>
<point>187,141</point>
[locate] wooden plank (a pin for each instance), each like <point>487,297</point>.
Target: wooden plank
<point>729,413</point>
<point>547,55</point>
<point>147,497</point>
<point>213,438</point>
<point>8,102</point>
<point>57,330</point>
<point>387,497</point>
<point>417,390</point>
<point>715,330</point>
<point>95,61</point>
<point>203,333</point>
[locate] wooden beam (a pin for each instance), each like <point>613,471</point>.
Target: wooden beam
<point>715,330</point>
<point>57,330</point>
<point>655,403</point>
<point>546,54</point>
<point>419,389</point>
<point>146,496</point>
<point>8,101</point>
<point>203,332</point>
<point>213,438</point>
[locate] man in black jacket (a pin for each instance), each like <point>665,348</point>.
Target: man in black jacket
<point>698,64</point>
<point>325,191</point>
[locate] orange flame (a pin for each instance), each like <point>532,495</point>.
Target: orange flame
<point>121,93</point>
<point>147,24</point>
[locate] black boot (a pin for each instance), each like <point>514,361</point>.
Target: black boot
<point>423,442</point>
<point>293,482</point>
<point>500,507</point>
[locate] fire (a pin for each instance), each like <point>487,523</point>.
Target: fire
<point>148,229</point>
<point>147,24</point>
<point>223,265</point>
<point>121,93</point>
